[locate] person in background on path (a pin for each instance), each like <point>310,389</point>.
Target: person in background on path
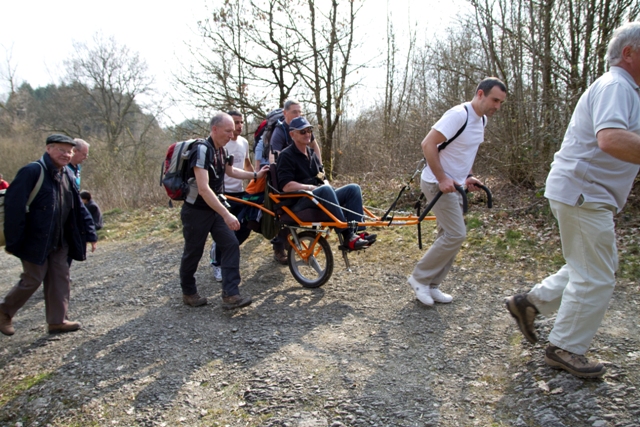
<point>590,180</point>
<point>447,168</point>
<point>93,209</point>
<point>3,184</point>
<point>238,147</point>
<point>56,225</point>
<point>80,154</point>
<point>204,213</point>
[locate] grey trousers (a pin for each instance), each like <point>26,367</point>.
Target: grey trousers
<point>452,231</point>
<point>54,275</point>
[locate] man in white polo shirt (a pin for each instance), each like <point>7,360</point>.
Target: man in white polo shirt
<point>589,182</point>
<point>450,148</point>
<point>238,147</point>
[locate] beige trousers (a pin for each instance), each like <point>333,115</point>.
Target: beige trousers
<point>580,291</point>
<point>452,231</point>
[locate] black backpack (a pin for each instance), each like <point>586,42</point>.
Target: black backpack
<point>272,120</point>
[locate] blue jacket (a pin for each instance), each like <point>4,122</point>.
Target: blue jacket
<point>30,235</point>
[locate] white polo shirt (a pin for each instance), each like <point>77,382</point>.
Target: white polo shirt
<point>457,159</point>
<point>239,149</point>
<point>581,167</point>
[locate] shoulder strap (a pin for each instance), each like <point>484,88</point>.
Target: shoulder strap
<point>36,189</point>
<point>444,144</point>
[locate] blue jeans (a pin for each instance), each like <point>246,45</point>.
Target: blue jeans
<point>348,197</point>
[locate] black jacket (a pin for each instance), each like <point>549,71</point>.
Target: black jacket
<point>30,235</point>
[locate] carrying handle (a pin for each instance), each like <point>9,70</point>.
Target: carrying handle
<point>459,189</point>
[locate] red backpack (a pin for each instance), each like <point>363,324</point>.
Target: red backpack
<point>174,168</point>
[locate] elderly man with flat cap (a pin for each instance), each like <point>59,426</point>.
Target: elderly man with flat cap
<point>45,220</point>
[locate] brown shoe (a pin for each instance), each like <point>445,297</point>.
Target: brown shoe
<point>280,256</point>
<point>5,324</point>
<point>525,313</point>
<point>194,300</point>
<point>575,364</point>
<point>235,301</point>
<point>64,327</point>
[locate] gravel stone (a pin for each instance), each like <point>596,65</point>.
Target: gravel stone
<point>359,351</point>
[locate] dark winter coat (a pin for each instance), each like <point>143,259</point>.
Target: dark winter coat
<point>29,235</point>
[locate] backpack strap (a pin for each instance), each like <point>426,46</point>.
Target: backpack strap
<point>444,144</point>
<point>37,187</point>
<point>449,141</point>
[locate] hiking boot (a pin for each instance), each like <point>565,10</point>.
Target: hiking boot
<point>280,256</point>
<point>66,326</point>
<point>217,273</point>
<point>5,324</point>
<point>194,300</point>
<point>422,292</point>
<point>439,296</point>
<point>575,364</point>
<point>525,313</point>
<point>235,301</point>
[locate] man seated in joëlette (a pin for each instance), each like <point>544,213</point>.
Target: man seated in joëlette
<point>300,169</point>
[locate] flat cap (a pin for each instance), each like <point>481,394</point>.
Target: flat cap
<point>63,139</point>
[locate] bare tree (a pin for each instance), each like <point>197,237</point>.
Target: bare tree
<point>327,44</point>
<point>250,57</point>
<point>113,78</point>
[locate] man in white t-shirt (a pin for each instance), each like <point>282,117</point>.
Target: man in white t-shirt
<point>589,182</point>
<point>446,168</point>
<point>238,147</point>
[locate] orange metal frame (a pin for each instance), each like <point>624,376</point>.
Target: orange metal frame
<point>376,221</point>
<point>313,249</point>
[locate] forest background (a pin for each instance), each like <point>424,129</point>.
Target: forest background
<point>261,52</point>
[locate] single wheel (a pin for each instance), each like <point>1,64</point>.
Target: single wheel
<point>316,269</point>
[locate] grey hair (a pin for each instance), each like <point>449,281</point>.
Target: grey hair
<point>289,102</point>
<point>217,118</point>
<point>627,35</point>
<point>81,142</point>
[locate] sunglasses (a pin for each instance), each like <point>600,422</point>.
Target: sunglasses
<point>305,131</point>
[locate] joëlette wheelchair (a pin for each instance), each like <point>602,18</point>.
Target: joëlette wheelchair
<point>309,254</point>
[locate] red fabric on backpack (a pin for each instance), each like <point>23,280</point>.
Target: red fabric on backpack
<point>258,133</point>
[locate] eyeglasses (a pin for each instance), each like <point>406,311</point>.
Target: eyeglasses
<point>65,152</point>
<point>305,131</point>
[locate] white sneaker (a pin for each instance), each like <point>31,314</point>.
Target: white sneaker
<point>217,273</point>
<point>422,291</point>
<point>438,296</point>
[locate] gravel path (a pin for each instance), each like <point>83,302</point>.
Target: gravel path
<point>360,351</point>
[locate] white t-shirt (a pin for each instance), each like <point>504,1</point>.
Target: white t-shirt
<point>457,159</point>
<point>581,167</point>
<point>239,149</point>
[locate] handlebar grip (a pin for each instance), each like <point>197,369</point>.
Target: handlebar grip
<point>488,193</point>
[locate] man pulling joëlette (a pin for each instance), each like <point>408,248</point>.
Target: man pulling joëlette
<point>446,168</point>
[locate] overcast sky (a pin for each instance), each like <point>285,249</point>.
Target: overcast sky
<point>39,34</point>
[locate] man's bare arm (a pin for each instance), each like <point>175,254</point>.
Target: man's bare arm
<point>430,151</point>
<point>621,144</point>
<point>202,180</point>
